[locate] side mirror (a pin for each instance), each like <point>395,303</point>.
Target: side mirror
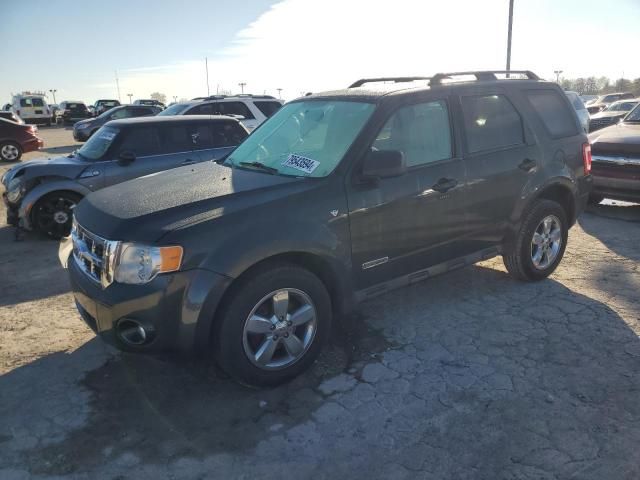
<point>384,163</point>
<point>126,157</point>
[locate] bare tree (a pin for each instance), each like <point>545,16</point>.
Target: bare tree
<point>160,97</point>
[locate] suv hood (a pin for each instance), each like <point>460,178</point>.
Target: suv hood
<point>146,208</point>
<point>67,167</point>
<point>620,139</point>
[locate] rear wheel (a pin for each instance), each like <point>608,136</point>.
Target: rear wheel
<point>273,326</point>
<point>540,242</point>
<point>53,213</point>
<point>10,152</point>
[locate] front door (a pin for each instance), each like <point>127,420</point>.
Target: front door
<point>403,224</point>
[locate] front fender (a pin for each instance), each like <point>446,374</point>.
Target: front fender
<point>35,194</point>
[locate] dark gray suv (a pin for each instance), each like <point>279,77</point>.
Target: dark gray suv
<point>41,194</point>
<point>337,197</point>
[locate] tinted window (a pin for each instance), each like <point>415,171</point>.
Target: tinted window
<point>218,135</point>
<point>205,109</point>
<point>121,113</point>
<point>553,111</point>
<point>142,141</point>
<point>233,108</point>
<point>141,111</point>
<point>173,109</point>
<point>31,102</point>
<point>422,132</point>
<point>177,138</point>
<point>268,108</point>
<point>491,122</point>
<point>76,106</point>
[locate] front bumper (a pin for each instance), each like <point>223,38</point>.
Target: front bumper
<point>32,145</point>
<point>616,177</point>
<point>179,306</point>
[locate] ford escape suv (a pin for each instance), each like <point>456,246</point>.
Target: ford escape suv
<point>337,197</point>
<point>41,194</point>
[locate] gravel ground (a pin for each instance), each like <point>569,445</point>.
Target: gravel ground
<point>470,375</point>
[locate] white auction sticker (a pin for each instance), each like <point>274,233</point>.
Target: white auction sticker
<point>304,164</point>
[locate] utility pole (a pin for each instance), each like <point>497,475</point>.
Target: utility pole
<point>118,86</point>
<point>175,98</point>
<point>509,35</point>
<point>53,92</point>
<point>558,72</point>
<point>279,92</point>
<point>206,66</point>
<point>129,95</point>
<point>242,85</point>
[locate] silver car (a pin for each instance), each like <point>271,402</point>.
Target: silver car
<point>581,110</point>
<point>41,194</point>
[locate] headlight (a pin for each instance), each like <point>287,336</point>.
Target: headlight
<point>15,190</point>
<point>138,264</point>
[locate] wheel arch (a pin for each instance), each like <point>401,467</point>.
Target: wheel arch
<point>45,188</point>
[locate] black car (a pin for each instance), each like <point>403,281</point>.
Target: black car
<point>101,106</point>
<point>337,197</point>
<point>83,129</point>
<point>616,160</point>
<point>69,112</point>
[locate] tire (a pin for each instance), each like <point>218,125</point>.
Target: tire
<point>52,214</point>
<point>238,343</point>
<point>48,123</point>
<point>10,152</point>
<point>520,258</point>
<point>595,199</point>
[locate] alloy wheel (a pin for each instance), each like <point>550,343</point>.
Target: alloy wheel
<point>54,215</point>
<point>280,329</point>
<point>10,152</point>
<point>546,242</point>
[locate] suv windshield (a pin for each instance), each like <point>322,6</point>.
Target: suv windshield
<point>633,116</point>
<point>98,144</point>
<point>306,138</point>
<point>621,106</point>
<point>174,109</point>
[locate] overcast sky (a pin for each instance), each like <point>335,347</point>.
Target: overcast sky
<point>298,45</point>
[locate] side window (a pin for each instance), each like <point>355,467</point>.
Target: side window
<point>141,111</point>
<point>206,109</point>
<point>177,138</point>
<point>234,108</point>
<point>202,136</point>
<point>554,112</point>
<point>491,121</point>
<point>422,132</point>
<point>228,134</point>
<point>122,113</point>
<point>143,141</point>
<point>268,108</point>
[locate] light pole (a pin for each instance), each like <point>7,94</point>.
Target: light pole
<point>129,95</point>
<point>175,98</point>
<point>558,72</point>
<point>53,92</point>
<point>242,85</point>
<point>509,35</point>
<point>279,92</point>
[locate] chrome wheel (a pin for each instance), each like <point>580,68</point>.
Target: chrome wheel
<point>10,152</point>
<point>546,242</point>
<point>280,329</point>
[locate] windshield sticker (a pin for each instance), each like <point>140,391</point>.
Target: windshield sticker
<point>303,164</point>
<point>107,135</point>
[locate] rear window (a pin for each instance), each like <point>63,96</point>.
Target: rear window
<point>491,122</point>
<point>31,102</point>
<point>552,110</point>
<point>76,106</point>
<point>268,108</point>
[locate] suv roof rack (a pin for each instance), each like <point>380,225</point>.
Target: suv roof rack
<point>483,76</point>
<point>362,81</point>
<point>239,95</point>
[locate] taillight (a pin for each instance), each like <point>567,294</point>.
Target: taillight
<point>586,158</point>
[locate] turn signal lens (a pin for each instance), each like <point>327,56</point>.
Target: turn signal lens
<point>171,258</point>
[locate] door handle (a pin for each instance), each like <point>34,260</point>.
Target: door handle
<point>445,184</point>
<point>527,165</point>
<point>188,162</point>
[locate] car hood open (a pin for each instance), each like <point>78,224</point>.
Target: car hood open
<point>146,208</point>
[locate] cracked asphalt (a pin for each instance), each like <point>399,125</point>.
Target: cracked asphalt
<point>469,375</point>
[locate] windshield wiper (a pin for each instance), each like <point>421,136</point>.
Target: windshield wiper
<point>260,166</point>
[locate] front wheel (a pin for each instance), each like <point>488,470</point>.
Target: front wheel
<point>273,326</point>
<point>53,213</point>
<point>10,152</point>
<point>540,242</point>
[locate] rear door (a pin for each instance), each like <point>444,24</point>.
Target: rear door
<point>501,156</point>
<point>213,140</point>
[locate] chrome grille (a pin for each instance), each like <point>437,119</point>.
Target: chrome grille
<point>93,254</point>
<point>598,123</point>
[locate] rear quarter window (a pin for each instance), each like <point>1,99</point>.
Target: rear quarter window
<point>554,112</point>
